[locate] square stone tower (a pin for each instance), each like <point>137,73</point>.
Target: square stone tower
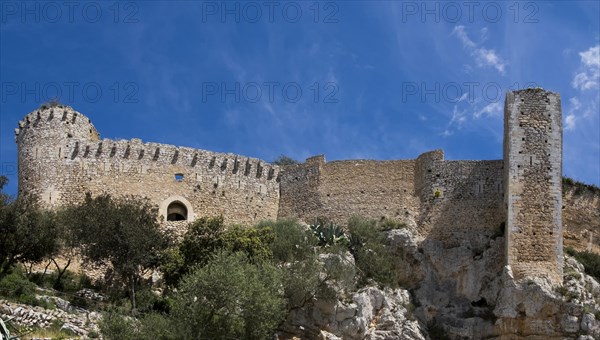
<point>533,184</point>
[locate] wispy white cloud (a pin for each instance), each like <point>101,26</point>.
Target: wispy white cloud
<point>570,122</point>
<point>492,109</point>
<point>571,118</point>
<point>483,56</point>
<point>459,117</point>
<point>589,76</point>
<point>585,106</point>
<point>591,57</point>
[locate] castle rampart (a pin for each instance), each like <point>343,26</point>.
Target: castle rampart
<point>61,158</point>
<point>340,189</point>
<point>462,198</point>
<point>71,162</point>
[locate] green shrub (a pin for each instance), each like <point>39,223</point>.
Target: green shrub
<point>339,275</point>
<point>54,331</point>
<point>206,237</point>
<point>294,253</point>
<point>284,160</point>
<point>114,326</point>
<point>172,265</point>
<point>152,326</point>
<point>372,254</point>
<point>301,281</point>
<point>565,292</point>
<point>291,242</point>
<point>70,282</point>
<point>436,331</point>
<point>27,232</point>
<point>229,298</point>
<point>390,224</point>
<point>579,188</point>
<point>255,242</point>
<point>156,326</point>
<point>591,263</point>
<point>146,299</point>
<point>573,274</point>
<point>16,287</point>
<point>201,241</point>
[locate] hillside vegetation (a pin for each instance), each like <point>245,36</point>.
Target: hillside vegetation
<point>218,281</point>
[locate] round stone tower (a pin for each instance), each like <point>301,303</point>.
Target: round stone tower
<point>43,137</point>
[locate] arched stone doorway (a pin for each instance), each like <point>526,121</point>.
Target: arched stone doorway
<point>176,211</point>
<point>176,208</point>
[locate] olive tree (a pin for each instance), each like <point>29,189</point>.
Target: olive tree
<point>229,298</point>
<point>27,233</point>
<point>122,232</point>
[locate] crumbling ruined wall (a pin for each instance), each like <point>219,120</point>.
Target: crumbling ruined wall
<point>533,175</point>
<point>69,163</point>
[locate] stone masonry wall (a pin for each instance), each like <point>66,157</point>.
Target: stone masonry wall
<point>367,188</point>
<point>462,201</point>
<point>41,140</point>
<point>533,175</point>
<point>299,190</point>
<point>340,189</point>
<point>242,189</point>
<point>469,201</point>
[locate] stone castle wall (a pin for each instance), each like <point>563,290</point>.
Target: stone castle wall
<point>460,199</point>
<point>61,157</point>
<point>68,165</point>
<point>340,189</point>
<point>468,200</point>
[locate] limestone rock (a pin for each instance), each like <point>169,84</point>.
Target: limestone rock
<point>373,314</point>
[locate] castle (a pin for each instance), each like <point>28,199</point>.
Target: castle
<point>61,158</point>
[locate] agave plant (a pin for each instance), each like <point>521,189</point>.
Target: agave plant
<point>329,234</point>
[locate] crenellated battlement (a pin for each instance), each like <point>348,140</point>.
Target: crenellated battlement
<point>59,119</point>
<point>159,155</point>
<point>61,157</point>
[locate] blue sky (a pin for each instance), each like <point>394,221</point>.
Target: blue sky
<point>355,79</point>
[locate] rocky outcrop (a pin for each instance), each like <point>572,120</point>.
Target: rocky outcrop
<point>454,284</point>
<point>533,307</point>
<point>371,313</point>
<point>466,292</point>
